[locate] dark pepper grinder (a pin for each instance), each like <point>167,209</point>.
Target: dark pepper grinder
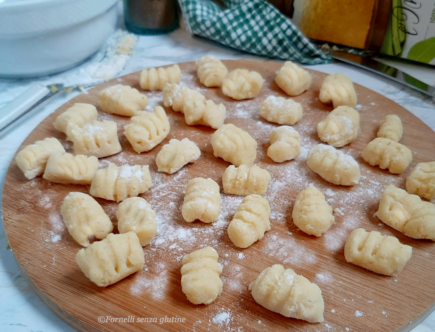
<point>150,17</point>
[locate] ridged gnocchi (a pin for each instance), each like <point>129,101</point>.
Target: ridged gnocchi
<point>206,113</point>
<point>250,222</point>
<point>245,180</point>
<point>338,90</point>
<point>97,138</point>
<point>122,100</point>
<point>333,165</point>
<point>197,110</point>
<point>293,79</point>
<point>66,168</point>
<point>211,71</point>
<point>147,129</point>
<point>202,201</point>
<point>289,294</point>
<point>280,110</point>
<point>112,259</point>
<point>200,281</point>
<point>33,159</point>
<point>340,127</point>
<point>387,154</point>
<point>156,78</point>
<point>78,115</point>
<point>84,218</point>
<point>118,183</point>
<point>376,252</point>
<point>311,214</point>
<point>242,84</point>
<point>391,128</point>
<point>176,154</point>
<point>234,145</point>
<point>421,181</point>
<point>136,215</point>
<point>407,213</point>
<point>285,144</point>
<point>176,96</point>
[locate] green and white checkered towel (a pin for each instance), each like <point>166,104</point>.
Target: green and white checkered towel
<point>254,26</point>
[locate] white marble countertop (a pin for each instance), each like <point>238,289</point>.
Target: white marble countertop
<point>20,308</point>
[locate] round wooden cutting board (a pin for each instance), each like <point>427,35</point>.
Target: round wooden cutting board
<point>355,299</point>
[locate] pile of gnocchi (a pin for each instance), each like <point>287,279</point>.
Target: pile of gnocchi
<point>108,258</point>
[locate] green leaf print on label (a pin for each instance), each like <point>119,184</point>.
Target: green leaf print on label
<point>423,51</point>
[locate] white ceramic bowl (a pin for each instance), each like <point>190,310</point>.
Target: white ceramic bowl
<point>42,37</point>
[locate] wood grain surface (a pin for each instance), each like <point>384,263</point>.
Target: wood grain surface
<point>355,299</point>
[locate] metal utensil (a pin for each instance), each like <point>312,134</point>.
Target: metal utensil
<point>26,102</point>
<point>390,72</point>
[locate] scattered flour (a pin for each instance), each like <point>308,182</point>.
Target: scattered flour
<point>222,318</point>
<point>153,102</point>
<point>329,192</point>
<point>240,255</point>
<point>56,222</point>
<point>55,238</point>
<point>324,277</point>
<point>154,285</point>
<point>359,313</point>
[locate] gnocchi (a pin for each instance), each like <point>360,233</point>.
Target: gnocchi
<point>176,96</point>
<point>338,90</point>
<point>156,78</point>
<point>206,113</point>
<point>202,201</point>
<point>376,252</point>
<point>176,154</point>
<point>97,138</point>
<point>200,280</point>
<point>391,128</point>
<point>136,215</point>
<point>84,218</point>
<point>33,159</point>
<point>333,165</point>
<point>293,79</point>
<point>250,222</point>
<point>289,294</point>
<point>118,183</point>
<point>245,180</point>
<point>78,115</point>
<point>66,168</point>
<point>211,71</point>
<point>340,127</point>
<point>280,110</point>
<point>387,154</point>
<point>285,144</point>
<point>147,129</point>
<point>234,145</point>
<point>421,181</point>
<point>311,214</point>
<point>407,213</point>
<point>122,100</point>
<point>112,259</point>
<point>242,84</point>
<point>196,109</point>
